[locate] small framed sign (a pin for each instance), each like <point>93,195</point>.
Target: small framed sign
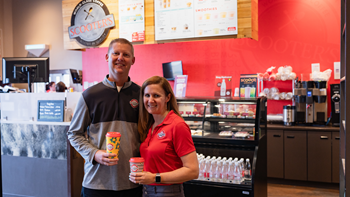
<point>51,110</point>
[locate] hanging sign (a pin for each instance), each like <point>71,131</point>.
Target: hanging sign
<point>90,23</point>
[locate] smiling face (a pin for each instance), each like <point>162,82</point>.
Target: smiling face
<point>155,100</point>
<point>120,59</point>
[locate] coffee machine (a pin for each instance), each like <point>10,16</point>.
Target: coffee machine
<point>300,100</point>
<point>335,104</point>
<point>311,102</point>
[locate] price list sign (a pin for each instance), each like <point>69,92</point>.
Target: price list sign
<point>51,110</point>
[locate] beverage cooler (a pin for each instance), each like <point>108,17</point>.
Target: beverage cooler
<point>228,134</point>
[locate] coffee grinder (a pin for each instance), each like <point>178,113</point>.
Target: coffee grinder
<point>335,103</point>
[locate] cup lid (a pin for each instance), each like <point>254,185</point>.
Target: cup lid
<point>113,134</point>
<point>136,159</point>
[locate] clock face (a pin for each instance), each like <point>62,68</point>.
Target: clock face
<point>90,23</point>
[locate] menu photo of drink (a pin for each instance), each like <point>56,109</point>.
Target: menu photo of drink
<point>215,18</point>
<point>247,85</point>
<point>132,20</point>
<point>223,86</point>
<point>180,85</point>
<point>173,19</point>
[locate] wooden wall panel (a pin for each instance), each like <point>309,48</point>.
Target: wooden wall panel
<point>247,23</point>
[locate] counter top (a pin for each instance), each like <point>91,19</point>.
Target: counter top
<point>301,127</point>
<point>34,122</point>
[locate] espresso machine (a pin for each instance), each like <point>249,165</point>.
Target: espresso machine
<point>335,103</point>
<point>320,104</point>
<point>300,100</point>
<point>311,102</point>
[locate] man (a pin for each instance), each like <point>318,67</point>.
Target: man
<point>111,105</point>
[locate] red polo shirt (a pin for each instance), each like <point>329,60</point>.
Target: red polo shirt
<point>170,140</point>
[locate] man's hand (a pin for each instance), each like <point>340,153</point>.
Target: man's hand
<point>102,157</point>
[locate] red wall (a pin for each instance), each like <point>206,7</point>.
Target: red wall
<point>291,32</point>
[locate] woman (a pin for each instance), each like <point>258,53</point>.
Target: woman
<point>51,87</point>
<point>167,147</point>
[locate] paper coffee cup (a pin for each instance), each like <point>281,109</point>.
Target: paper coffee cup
<point>136,164</point>
<point>113,143</point>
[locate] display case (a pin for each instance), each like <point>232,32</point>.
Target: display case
<point>231,128</point>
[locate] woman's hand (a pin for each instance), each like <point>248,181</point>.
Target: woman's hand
<point>144,178</point>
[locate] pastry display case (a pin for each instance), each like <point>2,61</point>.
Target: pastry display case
<point>227,128</point>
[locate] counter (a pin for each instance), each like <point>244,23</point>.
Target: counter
<point>304,128</point>
<point>36,157</point>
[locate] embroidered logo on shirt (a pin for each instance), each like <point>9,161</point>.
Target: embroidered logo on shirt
<point>161,135</point>
<point>134,103</point>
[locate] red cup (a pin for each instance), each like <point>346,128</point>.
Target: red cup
<point>136,164</point>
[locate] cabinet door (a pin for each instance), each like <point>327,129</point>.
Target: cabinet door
<point>295,155</point>
<point>275,153</point>
<point>335,156</point>
<point>319,156</point>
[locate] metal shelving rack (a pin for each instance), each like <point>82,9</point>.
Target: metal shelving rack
<point>344,91</point>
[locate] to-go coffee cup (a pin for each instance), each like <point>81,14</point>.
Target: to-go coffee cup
<point>113,143</point>
<point>136,164</point>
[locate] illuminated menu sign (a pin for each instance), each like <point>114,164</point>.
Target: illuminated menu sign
<point>176,19</point>
<point>132,20</point>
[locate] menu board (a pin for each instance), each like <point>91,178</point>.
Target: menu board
<point>132,20</point>
<point>173,19</point>
<point>176,19</point>
<point>215,17</point>
<point>51,110</point>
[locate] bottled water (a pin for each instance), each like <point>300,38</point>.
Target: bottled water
<point>230,170</point>
<point>201,169</point>
<point>207,169</point>
<point>248,171</point>
<point>218,171</point>
<point>224,171</point>
<point>237,174</point>
<point>212,171</point>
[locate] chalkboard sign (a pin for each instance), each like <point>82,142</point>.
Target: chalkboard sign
<point>51,110</point>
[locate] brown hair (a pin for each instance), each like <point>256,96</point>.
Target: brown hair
<point>60,87</point>
<point>146,119</point>
<point>121,41</point>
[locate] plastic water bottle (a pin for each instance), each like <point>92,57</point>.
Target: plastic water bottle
<point>224,171</point>
<point>230,170</point>
<point>237,174</point>
<point>212,171</point>
<point>218,171</point>
<point>248,171</point>
<point>207,169</point>
<point>201,169</point>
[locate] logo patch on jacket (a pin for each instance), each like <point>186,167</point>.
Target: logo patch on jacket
<point>161,135</point>
<point>134,103</point>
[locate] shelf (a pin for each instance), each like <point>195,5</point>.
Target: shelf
<point>240,120</point>
<point>192,118</point>
<point>243,185</point>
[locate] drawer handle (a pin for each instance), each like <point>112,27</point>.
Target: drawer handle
<point>290,136</point>
<point>337,138</point>
<point>324,137</point>
<point>276,135</point>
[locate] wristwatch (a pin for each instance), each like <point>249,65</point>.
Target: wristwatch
<point>158,179</point>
